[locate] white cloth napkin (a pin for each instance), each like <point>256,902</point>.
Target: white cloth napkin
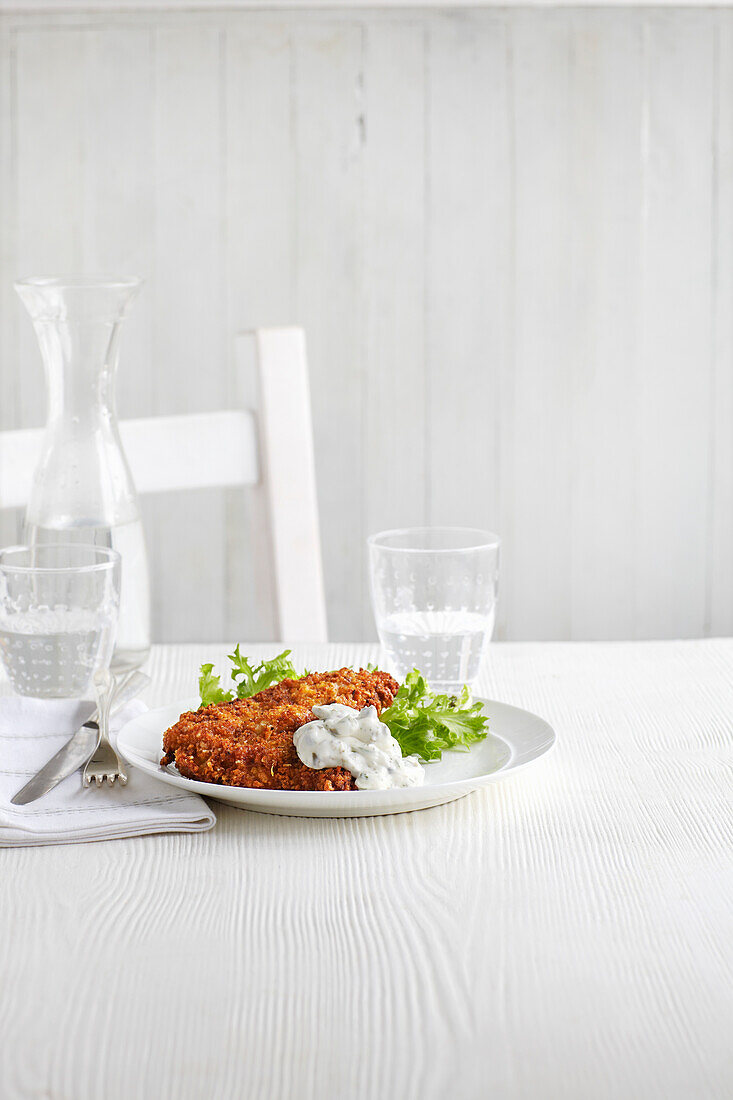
<point>31,731</point>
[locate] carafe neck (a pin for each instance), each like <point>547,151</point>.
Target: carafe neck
<point>80,361</point>
<point>77,321</point>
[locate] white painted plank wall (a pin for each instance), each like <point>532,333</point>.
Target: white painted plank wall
<point>469,238</point>
<point>674,381</point>
<point>394,449</point>
<point>328,133</point>
<point>540,377</point>
<point>507,233</point>
<point>720,518</point>
<point>606,170</point>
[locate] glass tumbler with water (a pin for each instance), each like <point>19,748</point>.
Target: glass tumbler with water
<point>434,598</point>
<point>58,617</point>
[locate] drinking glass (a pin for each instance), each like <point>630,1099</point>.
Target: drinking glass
<point>58,617</point>
<point>434,599</point>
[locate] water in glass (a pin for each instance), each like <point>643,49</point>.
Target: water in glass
<point>52,652</point>
<point>447,646</point>
<point>58,616</point>
<point>133,630</point>
<point>434,597</point>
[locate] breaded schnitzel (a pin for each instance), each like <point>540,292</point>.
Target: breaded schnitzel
<point>249,743</point>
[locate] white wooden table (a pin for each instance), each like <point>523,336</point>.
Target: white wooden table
<point>566,933</point>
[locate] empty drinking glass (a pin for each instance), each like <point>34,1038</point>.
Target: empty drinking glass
<point>434,598</point>
<point>58,617</point>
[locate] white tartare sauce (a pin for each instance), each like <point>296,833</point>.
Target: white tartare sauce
<point>343,737</point>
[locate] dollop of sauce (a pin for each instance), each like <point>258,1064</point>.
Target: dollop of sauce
<point>343,737</point>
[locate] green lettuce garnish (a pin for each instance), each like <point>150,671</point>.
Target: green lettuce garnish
<point>427,724</point>
<point>253,678</point>
<point>248,678</point>
<point>210,688</point>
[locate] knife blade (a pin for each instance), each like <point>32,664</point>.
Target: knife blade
<point>78,748</point>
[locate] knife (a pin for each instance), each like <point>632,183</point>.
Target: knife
<point>78,749</point>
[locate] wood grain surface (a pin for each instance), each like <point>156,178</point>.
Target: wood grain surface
<point>507,233</point>
<point>563,934</point>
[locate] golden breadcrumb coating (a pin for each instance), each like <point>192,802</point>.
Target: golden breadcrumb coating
<point>249,743</point>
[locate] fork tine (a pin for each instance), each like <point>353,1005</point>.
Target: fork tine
<point>110,777</point>
<point>99,779</point>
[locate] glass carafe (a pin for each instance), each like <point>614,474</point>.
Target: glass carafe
<point>82,488</point>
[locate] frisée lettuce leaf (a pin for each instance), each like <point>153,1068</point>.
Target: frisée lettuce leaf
<point>248,677</point>
<point>427,724</point>
<point>251,678</point>
<point>210,688</point>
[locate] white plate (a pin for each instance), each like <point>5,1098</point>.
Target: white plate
<point>516,739</point>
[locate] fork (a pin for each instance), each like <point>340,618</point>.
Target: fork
<point>104,762</point>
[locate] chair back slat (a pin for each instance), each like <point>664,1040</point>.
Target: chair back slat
<point>165,453</point>
<point>197,451</point>
<point>19,452</point>
<point>289,474</point>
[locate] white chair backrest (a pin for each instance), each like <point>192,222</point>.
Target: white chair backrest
<point>271,444</point>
